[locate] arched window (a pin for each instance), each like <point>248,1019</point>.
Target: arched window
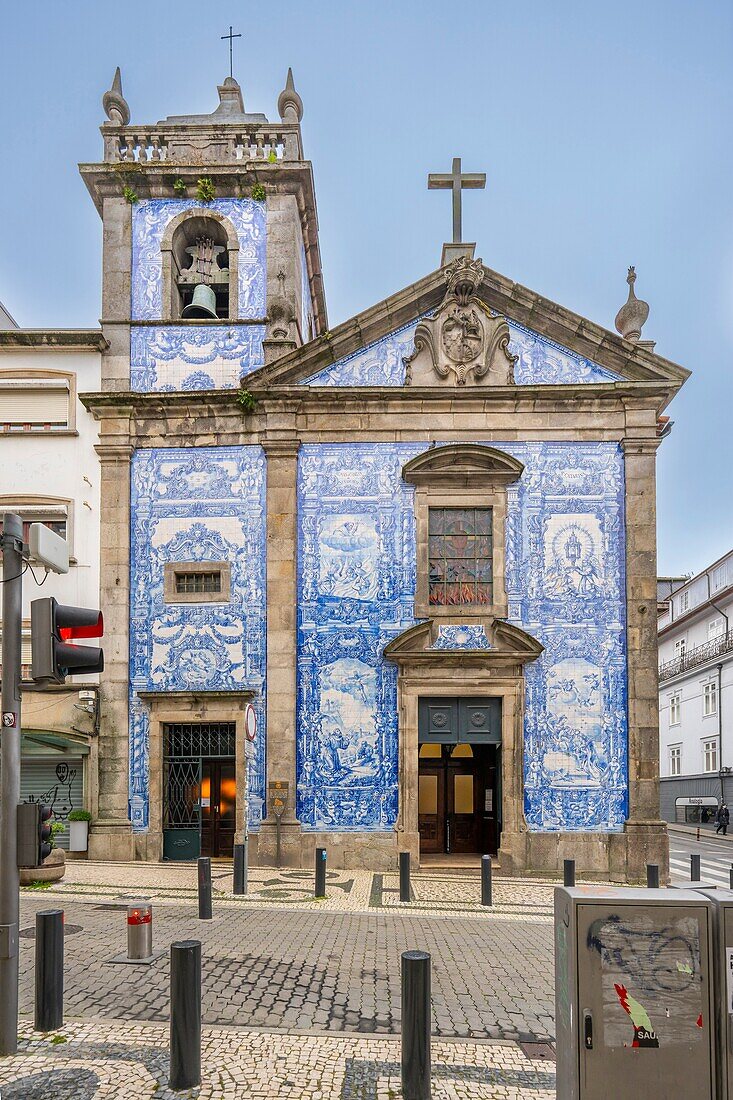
<point>200,251</point>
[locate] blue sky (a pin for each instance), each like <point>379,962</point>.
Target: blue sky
<point>604,131</point>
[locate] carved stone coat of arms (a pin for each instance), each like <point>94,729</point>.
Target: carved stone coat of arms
<point>463,343</point>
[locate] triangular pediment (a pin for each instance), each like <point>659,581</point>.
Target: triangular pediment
<point>551,344</point>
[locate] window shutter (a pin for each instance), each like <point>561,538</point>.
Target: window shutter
<point>34,405</point>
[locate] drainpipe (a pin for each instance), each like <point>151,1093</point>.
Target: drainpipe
<point>720,693</point>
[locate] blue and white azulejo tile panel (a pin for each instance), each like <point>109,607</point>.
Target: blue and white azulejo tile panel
<point>461,636</point>
<point>565,584</point>
<point>539,362</point>
<point>150,217</point>
<point>356,591</point>
<point>196,504</point>
<point>565,579</point>
<point>378,364</point>
<point>193,357</point>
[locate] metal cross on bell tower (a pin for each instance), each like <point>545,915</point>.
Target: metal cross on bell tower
<point>456,181</point>
<point>231,38</point>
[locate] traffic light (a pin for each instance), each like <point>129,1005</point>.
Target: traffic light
<point>52,626</point>
<point>34,833</point>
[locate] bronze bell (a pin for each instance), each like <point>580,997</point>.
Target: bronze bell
<point>203,303</point>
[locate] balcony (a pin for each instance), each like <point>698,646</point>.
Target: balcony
<point>700,655</point>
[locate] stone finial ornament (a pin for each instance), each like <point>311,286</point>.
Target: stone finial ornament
<point>114,103</point>
<point>289,103</point>
<point>632,315</point>
<point>463,342</point>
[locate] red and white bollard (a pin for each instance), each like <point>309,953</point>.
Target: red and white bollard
<point>139,930</point>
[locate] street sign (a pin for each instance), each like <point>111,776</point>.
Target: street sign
<point>250,722</point>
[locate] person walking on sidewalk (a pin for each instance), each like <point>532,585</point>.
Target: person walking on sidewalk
<point>723,818</point>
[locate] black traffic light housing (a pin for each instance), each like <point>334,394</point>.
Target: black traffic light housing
<point>34,833</point>
<point>52,626</point>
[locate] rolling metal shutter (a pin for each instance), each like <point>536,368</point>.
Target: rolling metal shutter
<point>34,405</point>
<point>58,783</point>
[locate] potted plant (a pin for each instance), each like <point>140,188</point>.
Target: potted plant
<point>79,830</point>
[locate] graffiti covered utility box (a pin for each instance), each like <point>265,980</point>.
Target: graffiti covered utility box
<point>722,902</point>
<point>633,994</point>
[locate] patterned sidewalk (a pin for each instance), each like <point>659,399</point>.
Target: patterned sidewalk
<point>434,892</point>
<point>118,1060</point>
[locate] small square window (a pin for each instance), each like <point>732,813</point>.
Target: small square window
<point>197,582</point>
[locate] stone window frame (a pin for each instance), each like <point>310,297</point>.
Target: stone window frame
<point>34,508</point>
<point>45,375</point>
<point>166,254</point>
<point>172,568</point>
<point>462,475</point>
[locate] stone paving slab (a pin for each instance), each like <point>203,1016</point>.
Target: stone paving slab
<point>119,1060</point>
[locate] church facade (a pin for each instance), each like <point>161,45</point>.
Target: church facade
<point>390,586</point>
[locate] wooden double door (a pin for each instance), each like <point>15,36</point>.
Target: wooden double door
<point>218,807</point>
<point>458,798</point>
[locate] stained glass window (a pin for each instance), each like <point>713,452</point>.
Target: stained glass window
<point>460,556</point>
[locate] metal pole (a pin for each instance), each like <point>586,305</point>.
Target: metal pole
<point>569,872</point>
<point>731,876</point>
<point>652,876</point>
<point>694,868</point>
<point>415,1025</point>
<point>12,543</point>
<point>486,880</point>
<point>240,867</point>
<point>320,873</point>
<point>49,970</point>
<point>404,876</point>
<point>204,879</point>
<point>185,1035</point>
<point>278,859</point>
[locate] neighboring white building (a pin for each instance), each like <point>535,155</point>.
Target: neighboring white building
<point>696,694</point>
<point>49,472</point>
<point>6,321</point>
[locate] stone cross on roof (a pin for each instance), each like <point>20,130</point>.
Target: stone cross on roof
<point>456,181</point>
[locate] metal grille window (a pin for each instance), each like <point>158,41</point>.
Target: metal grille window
<point>198,582</point>
<point>460,556</point>
<point>710,756</point>
<point>184,746</point>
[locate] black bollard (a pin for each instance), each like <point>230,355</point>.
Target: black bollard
<point>731,876</point>
<point>486,880</point>
<point>569,872</point>
<point>240,868</point>
<point>415,1025</point>
<point>652,876</point>
<point>404,876</point>
<point>320,873</point>
<point>694,868</point>
<point>49,969</point>
<point>185,1037</point>
<point>204,870</point>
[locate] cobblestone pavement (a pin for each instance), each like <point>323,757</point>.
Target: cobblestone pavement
<point>105,1060</point>
<point>298,969</point>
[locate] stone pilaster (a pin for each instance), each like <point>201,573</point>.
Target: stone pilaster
<point>282,549</point>
<point>646,834</point>
<point>111,835</point>
<point>116,281</point>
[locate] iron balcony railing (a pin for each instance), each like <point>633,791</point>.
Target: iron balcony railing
<point>700,655</point>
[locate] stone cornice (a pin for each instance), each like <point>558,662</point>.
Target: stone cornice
<point>58,339</point>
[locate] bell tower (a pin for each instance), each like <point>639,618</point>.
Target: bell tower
<point>210,238</point>
<point>211,269</point>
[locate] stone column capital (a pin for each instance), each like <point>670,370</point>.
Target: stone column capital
<point>114,454</point>
<point>640,446</point>
<point>281,448</point>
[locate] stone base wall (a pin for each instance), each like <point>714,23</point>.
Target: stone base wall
<point>617,857</point>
